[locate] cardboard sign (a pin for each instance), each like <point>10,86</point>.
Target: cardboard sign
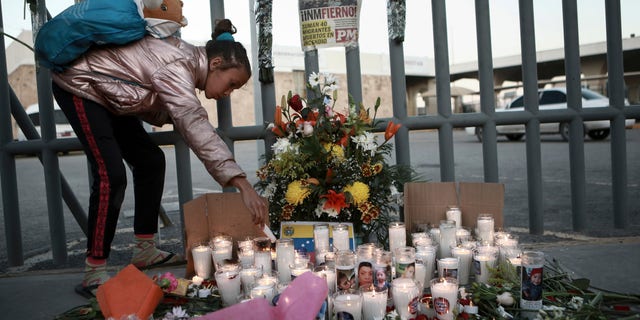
<point>425,203</point>
<point>214,214</point>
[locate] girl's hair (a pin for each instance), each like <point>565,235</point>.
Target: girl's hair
<point>232,52</point>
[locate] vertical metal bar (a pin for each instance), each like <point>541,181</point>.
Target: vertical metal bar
<point>487,95</point>
<point>50,157</point>
<point>183,175</point>
<point>574,101</point>
<point>354,75</point>
<point>616,100</point>
<point>258,108</point>
<point>399,97</point>
<point>8,177</point>
<point>530,83</point>
<point>311,65</point>
<point>443,89</point>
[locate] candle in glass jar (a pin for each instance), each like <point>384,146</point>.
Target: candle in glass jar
<point>329,274</point>
<point>444,295</point>
<point>483,259</point>
<point>340,237</point>
<point>347,302</point>
<point>248,276</point>
<point>263,288</point>
<point>448,267</point>
<point>397,235</point>
<point>403,292</point>
<point>374,303</point>
<point>285,254</point>
<point>229,284</point>
<point>447,237</point>
<point>428,256</point>
<point>321,236</point>
<point>465,256</point>
<point>453,213</point>
<point>262,260</point>
<point>202,261</point>
<point>485,228</point>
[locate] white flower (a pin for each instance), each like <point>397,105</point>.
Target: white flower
<point>504,313</point>
<point>269,191</point>
<point>505,299</point>
<point>283,145</point>
<point>306,128</point>
<point>314,79</point>
<point>329,79</point>
<point>552,311</point>
<point>328,90</point>
<point>576,303</point>
<point>462,290</point>
<point>176,313</point>
<point>197,280</point>
<point>366,141</point>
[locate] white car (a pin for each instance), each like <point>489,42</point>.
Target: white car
<point>63,128</point>
<point>556,98</point>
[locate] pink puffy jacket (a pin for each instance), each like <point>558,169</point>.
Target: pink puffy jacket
<point>156,80</point>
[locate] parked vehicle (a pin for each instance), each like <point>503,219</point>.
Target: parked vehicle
<point>63,128</point>
<point>556,98</point>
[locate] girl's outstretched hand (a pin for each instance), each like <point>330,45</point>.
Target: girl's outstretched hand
<point>256,204</point>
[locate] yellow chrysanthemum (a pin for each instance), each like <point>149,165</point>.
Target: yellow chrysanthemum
<point>335,150</point>
<point>359,192</point>
<point>296,192</point>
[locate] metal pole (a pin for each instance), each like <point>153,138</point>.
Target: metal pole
<point>443,89</point>
<point>49,156</point>
<point>530,84</point>
<point>616,100</point>
<point>574,101</point>
<point>487,95</point>
<point>8,177</point>
<point>354,75</point>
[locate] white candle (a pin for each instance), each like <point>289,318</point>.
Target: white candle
<point>248,276</point>
<point>220,254</point>
<point>397,236</point>
<point>321,236</point>
<point>444,295</point>
<point>403,292</point>
<point>202,261</point>
<point>329,274</point>
<point>447,237</point>
<point>463,235</point>
<point>420,238</point>
<point>263,289</point>
<point>464,255</point>
<point>374,304</point>
<point>448,267</point>
<point>341,237</point>
<point>285,254</point>
<point>482,263</point>
<point>485,228</point>
<point>453,213</point>
<point>421,272</point>
<point>229,285</point>
<point>471,309</point>
<point>262,260</point>
<point>349,302</point>
<point>428,256</point>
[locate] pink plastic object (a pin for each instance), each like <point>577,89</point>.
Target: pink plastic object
<point>302,299</point>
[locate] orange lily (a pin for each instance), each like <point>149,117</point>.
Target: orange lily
<point>391,130</point>
<point>279,128</point>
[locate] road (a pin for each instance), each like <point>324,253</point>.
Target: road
<point>425,159</point>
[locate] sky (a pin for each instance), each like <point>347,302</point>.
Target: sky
<point>373,24</point>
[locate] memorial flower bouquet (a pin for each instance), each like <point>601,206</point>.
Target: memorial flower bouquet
<point>327,164</point>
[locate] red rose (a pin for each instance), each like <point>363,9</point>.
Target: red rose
<point>295,103</point>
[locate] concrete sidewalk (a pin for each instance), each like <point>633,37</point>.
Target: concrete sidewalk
<point>610,264</point>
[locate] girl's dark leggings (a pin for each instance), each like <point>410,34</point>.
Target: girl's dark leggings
<point>107,140</point>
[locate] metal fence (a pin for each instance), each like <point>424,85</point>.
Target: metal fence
<point>57,190</point>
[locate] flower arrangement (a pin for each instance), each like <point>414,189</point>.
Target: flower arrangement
<point>327,164</point>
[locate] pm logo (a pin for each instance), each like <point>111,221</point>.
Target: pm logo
<point>345,35</point>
